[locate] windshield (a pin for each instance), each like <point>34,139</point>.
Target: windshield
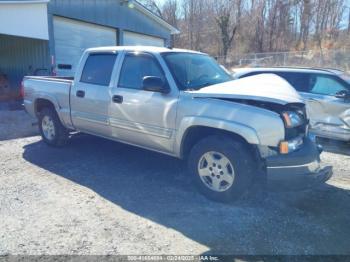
<point>194,71</point>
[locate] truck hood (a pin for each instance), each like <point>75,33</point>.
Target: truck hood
<point>264,87</point>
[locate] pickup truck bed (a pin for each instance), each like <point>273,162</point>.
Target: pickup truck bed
<point>54,89</point>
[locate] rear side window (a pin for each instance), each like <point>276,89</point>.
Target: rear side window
<point>300,81</point>
<point>98,69</point>
<point>136,67</point>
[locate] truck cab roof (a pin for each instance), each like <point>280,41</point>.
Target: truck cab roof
<point>150,49</point>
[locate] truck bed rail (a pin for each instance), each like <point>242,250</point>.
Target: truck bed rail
<point>65,79</point>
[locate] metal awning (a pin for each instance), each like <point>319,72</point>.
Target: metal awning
<point>24,18</point>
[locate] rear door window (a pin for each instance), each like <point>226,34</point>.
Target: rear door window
<point>300,81</point>
<point>98,69</point>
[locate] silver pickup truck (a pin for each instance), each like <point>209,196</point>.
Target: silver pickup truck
<point>182,103</point>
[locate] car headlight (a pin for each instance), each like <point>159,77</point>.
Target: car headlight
<point>286,147</point>
<point>292,119</point>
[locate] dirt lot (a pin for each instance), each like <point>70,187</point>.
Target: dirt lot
<point>15,124</point>
<point>99,197</point>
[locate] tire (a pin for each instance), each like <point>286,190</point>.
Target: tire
<point>222,167</point>
<point>51,129</point>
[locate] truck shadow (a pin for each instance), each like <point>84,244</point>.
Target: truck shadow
<point>158,188</point>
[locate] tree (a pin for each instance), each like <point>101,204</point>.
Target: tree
<point>153,6</point>
<point>305,22</point>
<point>349,21</point>
<point>170,13</point>
<point>214,26</point>
<point>329,14</point>
<point>228,15</point>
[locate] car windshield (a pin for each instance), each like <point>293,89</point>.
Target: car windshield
<point>195,71</point>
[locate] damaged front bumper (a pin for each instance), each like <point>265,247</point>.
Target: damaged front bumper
<point>298,170</point>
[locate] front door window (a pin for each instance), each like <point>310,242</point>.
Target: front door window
<point>325,85</point>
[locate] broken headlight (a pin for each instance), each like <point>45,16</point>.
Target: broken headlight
<point>292,119</point>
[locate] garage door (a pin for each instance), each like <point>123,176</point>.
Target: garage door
<point>72,37</point>
<point>140,39</point>
<point>24,18</point>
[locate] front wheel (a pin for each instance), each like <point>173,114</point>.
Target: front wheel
<point>51,129</point>
<point>222,167</point>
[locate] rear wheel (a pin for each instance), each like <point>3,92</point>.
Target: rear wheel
<point>222,167</point>
<point>51,129</point>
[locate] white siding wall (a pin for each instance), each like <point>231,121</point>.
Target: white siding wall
<point>24,19</point>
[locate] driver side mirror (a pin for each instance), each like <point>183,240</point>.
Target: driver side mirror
<point>343,94</point>
<point>155,84</point>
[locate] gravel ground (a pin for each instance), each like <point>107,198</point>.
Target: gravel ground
<point>15,124</point>
<point>99,197</point>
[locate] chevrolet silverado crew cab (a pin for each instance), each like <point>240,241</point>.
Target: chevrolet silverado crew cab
<point>182,103</point>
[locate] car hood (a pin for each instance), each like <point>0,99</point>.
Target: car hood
<point>263,87</point>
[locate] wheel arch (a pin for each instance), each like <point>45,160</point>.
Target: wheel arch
<point>189,135</point>
<point>41,103</point>
<point>47,102</point>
